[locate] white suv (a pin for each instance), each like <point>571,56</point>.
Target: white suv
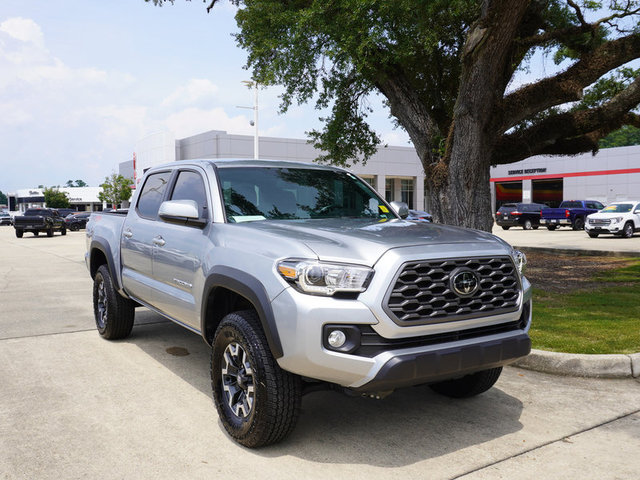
<point>620,218</point>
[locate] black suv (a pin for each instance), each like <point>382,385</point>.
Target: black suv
<point>76,221</point>
<point>525,215</point>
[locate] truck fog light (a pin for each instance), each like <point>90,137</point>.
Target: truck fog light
<point>336,338</point>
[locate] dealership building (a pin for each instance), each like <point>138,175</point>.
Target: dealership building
<point>610,175</point>
<point>80,198</point>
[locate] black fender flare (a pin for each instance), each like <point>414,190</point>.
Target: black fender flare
<point>252,289</point>
<point>101,244</point>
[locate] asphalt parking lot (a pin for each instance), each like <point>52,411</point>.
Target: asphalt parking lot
<point>75,406</point>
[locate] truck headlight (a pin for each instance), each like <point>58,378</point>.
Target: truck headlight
<point>322,278</point>
<point>520,260</point>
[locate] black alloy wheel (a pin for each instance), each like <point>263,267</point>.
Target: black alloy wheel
<point>258,402</point>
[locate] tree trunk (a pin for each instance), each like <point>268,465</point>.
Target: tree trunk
<point>459,183</point>
<point>460,192</point>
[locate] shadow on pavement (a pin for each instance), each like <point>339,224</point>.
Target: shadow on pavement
<point>411,425</point>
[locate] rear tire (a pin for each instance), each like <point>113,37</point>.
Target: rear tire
<point>63,231</point>
<point>505,228</point>
<point>551,227</point>
<point>527,225</point>
<point>74,227</point>
<point>50,232</point>
<point>19,233</point>
<point>257,401</point>
<point>578,224</point>
<point>469,385</point>
<point>113,313</point>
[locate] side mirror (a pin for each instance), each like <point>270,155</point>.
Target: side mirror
<point>401,208</point>
<point>181,211</point>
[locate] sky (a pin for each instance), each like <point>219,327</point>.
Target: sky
<point>81,81</point>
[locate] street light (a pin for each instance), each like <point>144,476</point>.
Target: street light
<point>254,122</point>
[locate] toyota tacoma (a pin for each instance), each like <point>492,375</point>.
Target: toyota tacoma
<point>301,277</point>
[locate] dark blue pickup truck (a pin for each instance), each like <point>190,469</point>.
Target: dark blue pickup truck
<point>570,213</point>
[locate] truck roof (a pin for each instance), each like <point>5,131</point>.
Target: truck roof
<point>244,162</point>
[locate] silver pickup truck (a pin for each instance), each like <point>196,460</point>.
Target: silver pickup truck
<point>301,277</point>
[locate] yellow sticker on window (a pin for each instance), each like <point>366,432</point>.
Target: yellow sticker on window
<point>383,209</point>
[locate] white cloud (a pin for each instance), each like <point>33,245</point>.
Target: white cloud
<point>23,29</point>
<point>193,120</point>
<point>196,92</point>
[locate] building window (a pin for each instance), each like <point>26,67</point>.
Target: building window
<point>388,189</point>
<point>406,192</point>
<point>371,181</point>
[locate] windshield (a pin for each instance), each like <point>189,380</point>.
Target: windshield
<point>261,193</point>
<point>620,208</point>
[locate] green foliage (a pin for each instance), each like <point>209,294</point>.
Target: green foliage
<point>626,136</point>
<point>3,199</point>
<point>77,183</point>
<point>54,198</point>
<point>115,189</point>
<point>341,52</point>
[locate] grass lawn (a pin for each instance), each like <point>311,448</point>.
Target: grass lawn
<point>605,318</point>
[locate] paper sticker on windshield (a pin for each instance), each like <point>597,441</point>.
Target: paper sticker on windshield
<point>383,209</point>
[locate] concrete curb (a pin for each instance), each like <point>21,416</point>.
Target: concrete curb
<point>582,365</point>
<point>578,251</point>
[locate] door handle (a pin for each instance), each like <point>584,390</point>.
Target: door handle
<point>127,233</point>
<point>159,241</point>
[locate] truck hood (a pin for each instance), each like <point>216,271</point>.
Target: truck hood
<point>364,241</point>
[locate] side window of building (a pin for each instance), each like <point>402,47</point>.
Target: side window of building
<point>189,186</point>
<point>152,194</point>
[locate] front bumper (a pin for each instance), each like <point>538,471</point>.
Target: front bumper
<point>397,356</point>
<point>613,228</point>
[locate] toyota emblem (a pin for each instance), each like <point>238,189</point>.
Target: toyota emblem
<point>465,283</point>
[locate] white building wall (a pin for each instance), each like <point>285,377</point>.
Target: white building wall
<point>613,174</point>
<point>154,149</point>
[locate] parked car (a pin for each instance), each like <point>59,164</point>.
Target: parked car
<point>36,220</point>
<point>420,216</point>
<point>301,278</point>
<point>63,212</point>
<point>525,215</point>
<point>570,213</point>
<point>619,218</point>
<point>5,219</point>
<point>76,221</point>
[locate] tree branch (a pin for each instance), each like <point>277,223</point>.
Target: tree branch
<point>571,132</point>
<point>568,85</point>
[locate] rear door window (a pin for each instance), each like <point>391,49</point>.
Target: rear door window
<point>152,194</point>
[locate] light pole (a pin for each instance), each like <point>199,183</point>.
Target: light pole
<point>254,122</point>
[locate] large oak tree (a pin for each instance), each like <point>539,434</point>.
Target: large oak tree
<point>444,68</point>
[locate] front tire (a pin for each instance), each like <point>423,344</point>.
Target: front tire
<point>593,234</point>
<point>469,385</point>
<point>74,227</point>
<point>257,401</point>
<point>527,225</point>
<point>505,227</point>
<point>113,313</point>
<point>19,233</point>
<point>63,231</point>
<point>627,231</point>
<point>50,232</point>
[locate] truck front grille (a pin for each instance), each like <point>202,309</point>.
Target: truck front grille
<point>599,221</point>
<point>423,292</point>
